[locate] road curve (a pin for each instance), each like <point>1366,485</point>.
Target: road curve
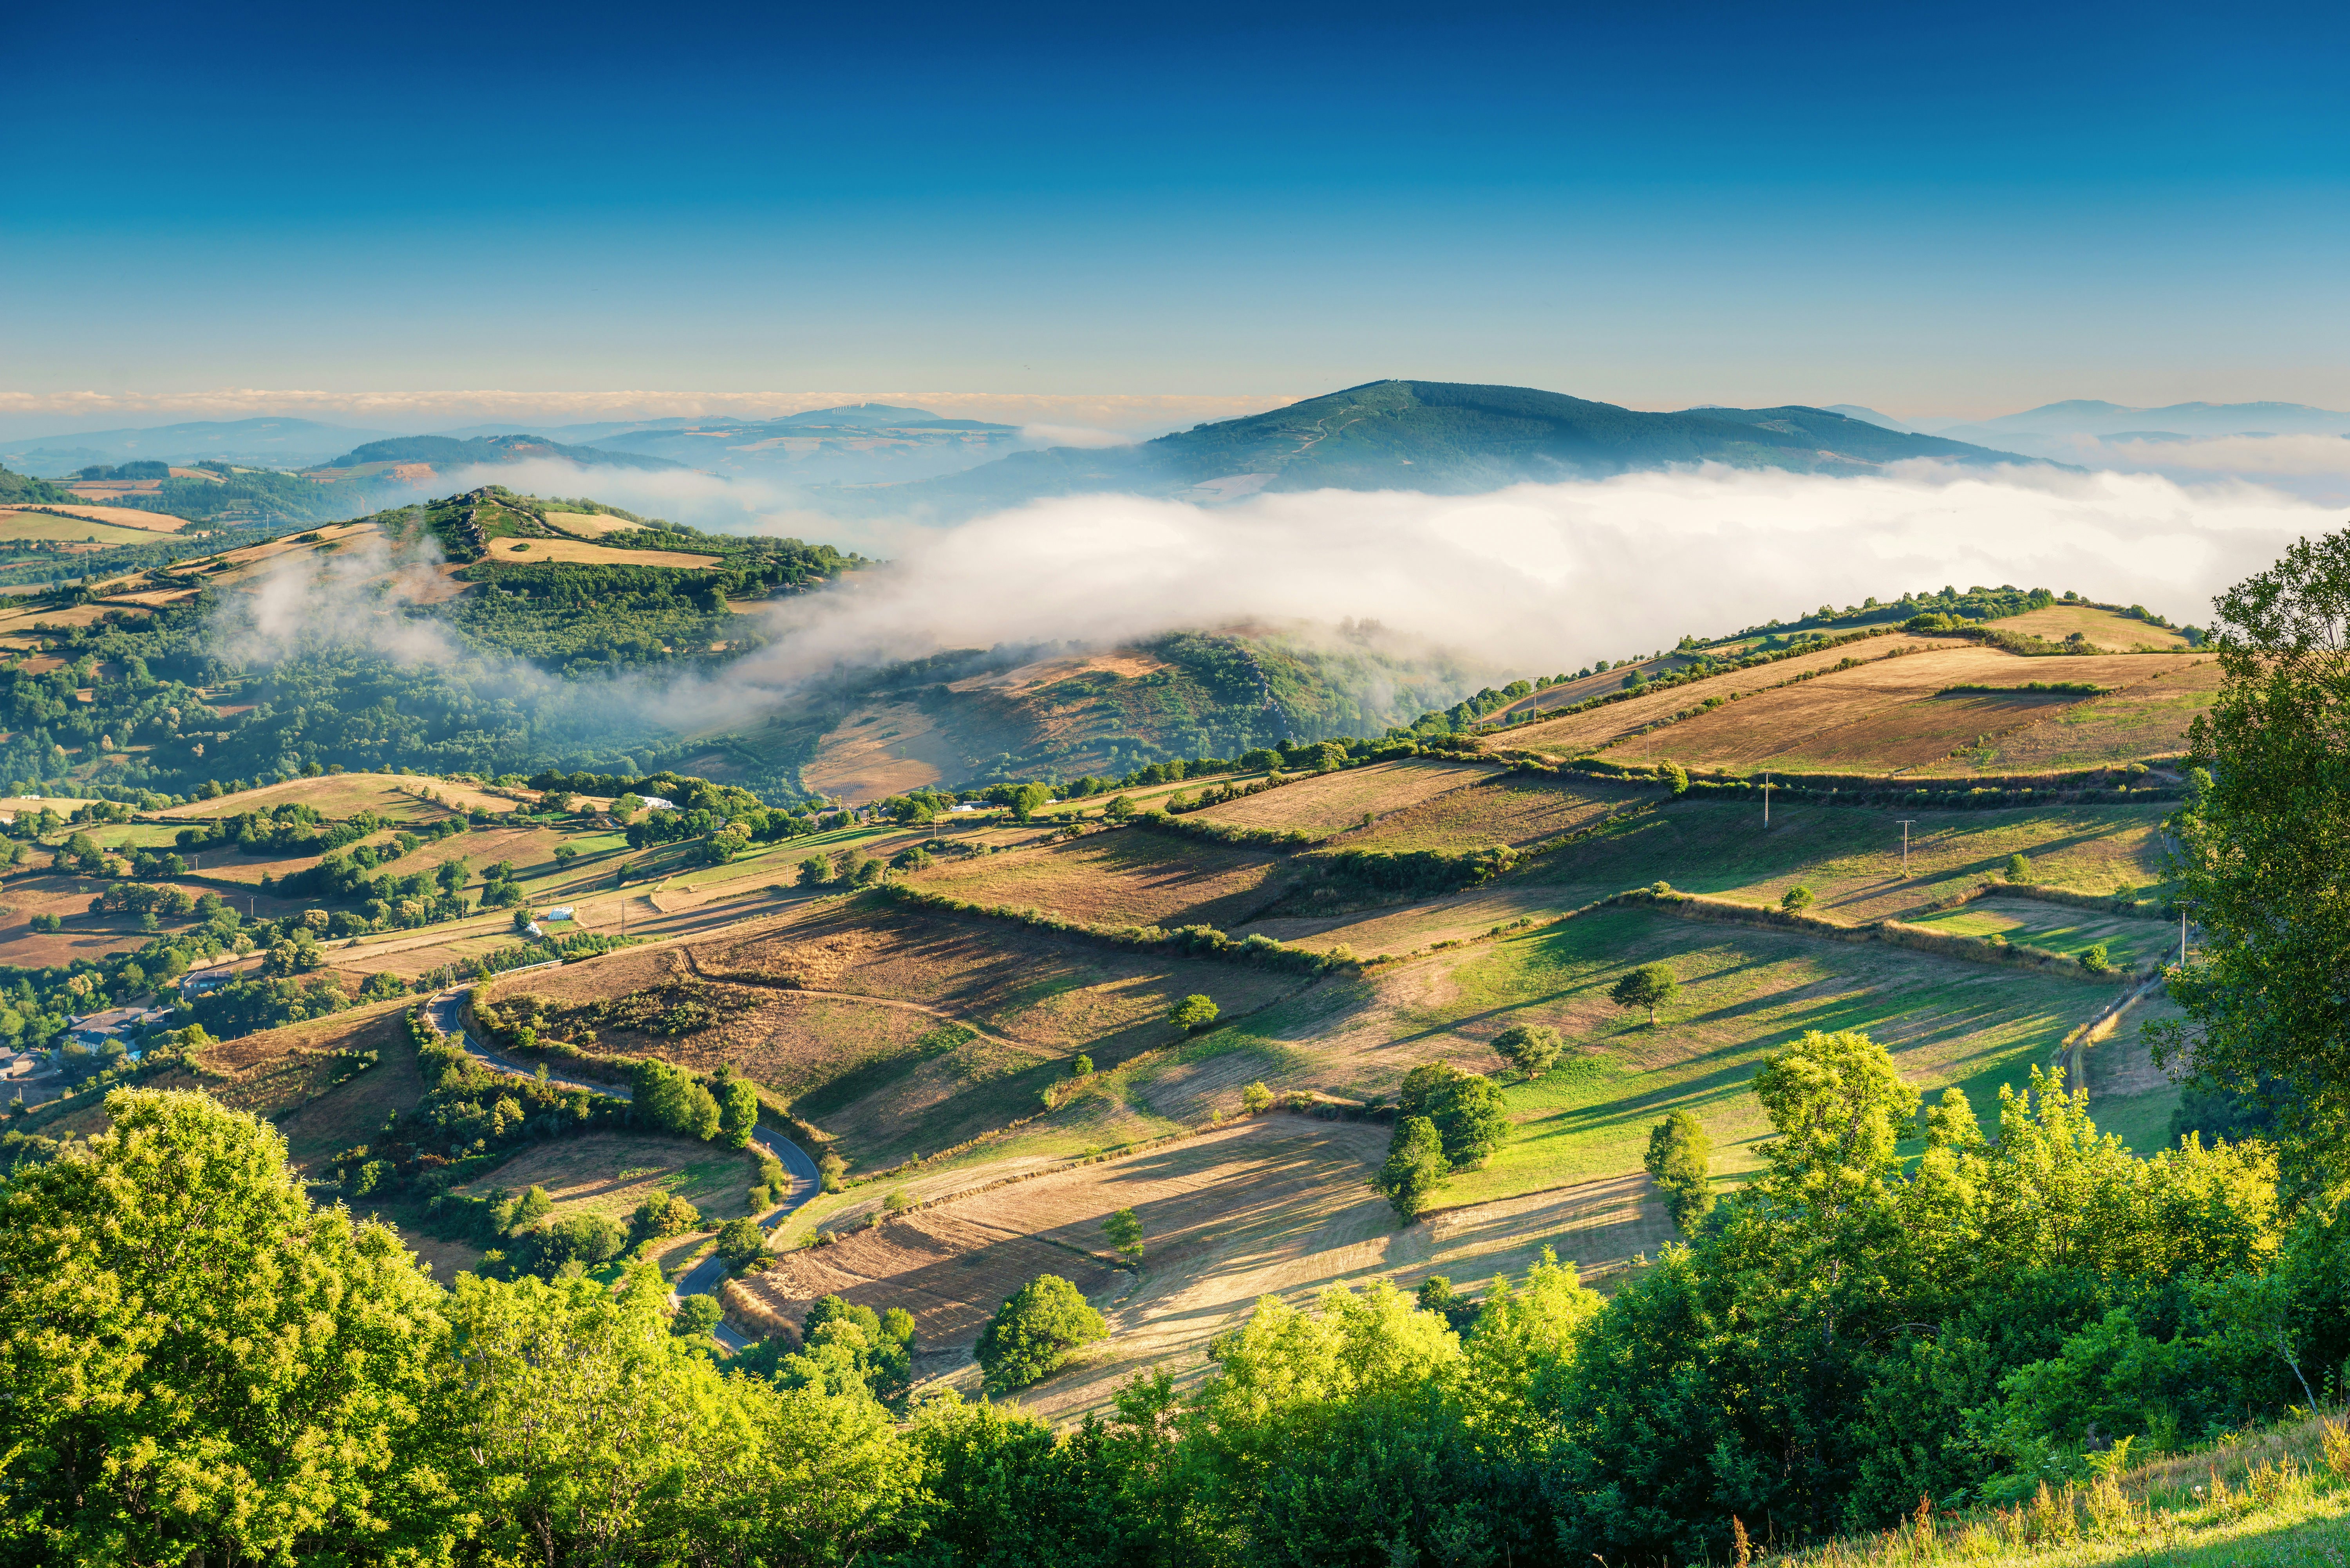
<point>447,1013</point>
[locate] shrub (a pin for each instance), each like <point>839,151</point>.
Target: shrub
<point>1083,1067</point>
<point>1032,1333</point>
<point>1532,1048</point>
<point>1192,1013</point>
<point>1125,1231</point>
<point>2019,869</point>
<point>1256,1098</point>
<point>2097,960</point>
<point>664,1214</point>
<point>829,1169</point>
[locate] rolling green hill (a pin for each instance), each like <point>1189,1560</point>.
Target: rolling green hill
<point>1438,436</point>
<point>16,490</point>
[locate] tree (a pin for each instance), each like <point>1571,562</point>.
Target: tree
<point>564,854</point>
<point>1679,1161</point>
<point>674,1101</point>
<point>2263,852</point>
<point>170,1294</point>
<point>1256,1098</point>
<point>1796,899</point>
<point>2019,869</point>
<point>1125,1231</point>
<point>815,871</point>
<point>1837,1105</point>
<point>738,1112</point>
<point>740,1243</point>
<point>1415,1167</point>
<point>1026,802</point>
<point>1118,809</point>
<point>1082,1067</point>
<point>697,1316</point>
<point>1193,1014</point>
<point>1465,1108</point>
<point>1033,1331</point>
<point>1651,986</point>
<point>663,1214</point>
<point>1676,775</point>
<point>1532,1048</point>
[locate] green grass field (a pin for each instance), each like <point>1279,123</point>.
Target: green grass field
<point>1745,992</point>
<point>2128,940</point>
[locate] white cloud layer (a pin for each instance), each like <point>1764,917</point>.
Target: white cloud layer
<point>1534,579</point>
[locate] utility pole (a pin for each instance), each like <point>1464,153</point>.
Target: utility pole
<point>1767,787</point>
<point>1904,844</point>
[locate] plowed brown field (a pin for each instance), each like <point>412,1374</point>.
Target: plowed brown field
<point>1338,800</point>
<point>1115,879</point>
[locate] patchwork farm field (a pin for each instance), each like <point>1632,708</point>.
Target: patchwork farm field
<point>1511,809</point>
<point>2103,628</point>
<point>1335,802</point>
<point>1746,991</point>
<point>1893,715</point>
<point>1116,878</point>
<point>1575,734</point>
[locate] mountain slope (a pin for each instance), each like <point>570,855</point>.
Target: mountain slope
<point>2091,417</point>
<point>1438,436</point>
<point>273,443</point>
<point>444,452</point>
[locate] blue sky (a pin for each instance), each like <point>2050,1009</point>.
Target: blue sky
<point>1920,209</point>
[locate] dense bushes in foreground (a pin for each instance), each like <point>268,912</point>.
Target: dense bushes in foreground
<point>1841,1339</point>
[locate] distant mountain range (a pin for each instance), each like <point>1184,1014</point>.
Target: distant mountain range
<point>260,442</point>
<point>445,454</point>
<point>1437,436</point>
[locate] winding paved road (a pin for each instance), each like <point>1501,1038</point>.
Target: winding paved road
<point>446,1011</point>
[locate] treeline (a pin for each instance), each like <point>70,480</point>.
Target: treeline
<point>1839,1338</point>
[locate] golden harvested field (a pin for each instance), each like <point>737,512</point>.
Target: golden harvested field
<point>1340,800</point>
<point>588,525</point>
<point>2103,628</point>
<point>537,552</point>
<point>394,796</point>
<point>610,1173</point>
<point>1884,715</point>
<point>1579,732</point>
<point>1505,808</point>
<point>67,897</point>
<point>1125,877</point>
<point>133,517</point>
<point>86,525</point>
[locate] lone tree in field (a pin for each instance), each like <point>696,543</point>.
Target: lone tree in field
<point>1651,986</point>
<point>1796,899</point>
<point>1465,1108</point>
<point>1532,1048</point>
<point>1125,1231</point>
<point>1033,1331</point>
<point>2019,869</point>
<point>1256,1098</point>
<point>1679,1160</point>
<point>1193,1013</point>
<point>1415,1166</point>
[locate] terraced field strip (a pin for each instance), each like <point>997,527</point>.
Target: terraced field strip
<point>1577,734</point>
<point>1336,801</point>
<point>1884,716</point>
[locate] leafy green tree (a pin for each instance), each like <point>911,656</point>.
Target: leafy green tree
<point>2019,868</point>
<point>1124,1228</point>
<point>1082,1067</point>
<point>740,1243</point>
<point>1414,1168</point>
<point>697,1316</point>
<point>1680,1162</point>
<point>1033,1331</point>
<point>1193,1013</point>
<point>664,1214</point>
<point>1796,899</point>
<point>170,1297</point>
<point>1651,986</point>
<point>815,871</point>
<point>674,1101</point>
<point>738,1112</point>
<point>1119,808</point>
<point>1256,1098</point>
<point>1838,1106</point>
<point>1532,1048</point>
<point>1676,775</point>
<point>1026,802</point>
<point>2263,853</point>
<point>1465,1108</point>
